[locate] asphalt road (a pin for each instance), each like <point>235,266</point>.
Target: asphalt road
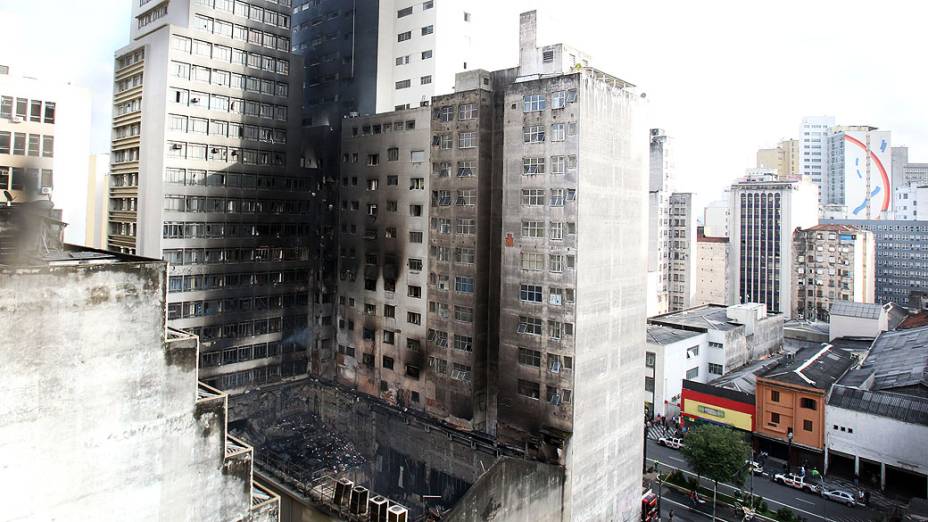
<point>812,507</point>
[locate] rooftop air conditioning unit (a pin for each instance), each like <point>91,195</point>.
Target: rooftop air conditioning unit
<point>357,504</point>
<point>16,119</point>
<point>377,509</point>
<point>194,100</point>
<point>397,514</point>
<point>342,491</point>
<point>176,146</point>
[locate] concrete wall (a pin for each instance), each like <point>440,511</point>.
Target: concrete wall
<point>843,326</point>
<point>99,417</point>
<point>514,490</point>
<point>711,279</point>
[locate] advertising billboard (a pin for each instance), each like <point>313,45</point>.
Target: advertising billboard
<point>867,164</point>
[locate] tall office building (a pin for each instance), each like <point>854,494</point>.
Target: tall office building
<point>660,187</point>
<point>764,213</point>
<point>858,166</point>
<point>717,218</point>
<point>681,253</point>
<point>832,263</point>
<point>206,173</point>
<point>380,55</point>
<point>45,145</point>
<point>573,266</point>
<point>813,135</point>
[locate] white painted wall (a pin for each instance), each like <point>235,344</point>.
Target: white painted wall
<point>876,438</point>
<point>842,326</point>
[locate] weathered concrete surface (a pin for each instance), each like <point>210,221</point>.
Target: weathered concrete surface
<point>99,416</point>
<point>514,490</point>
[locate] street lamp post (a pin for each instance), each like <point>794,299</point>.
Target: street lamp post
<point>751,471</point>
<point>789,447</point>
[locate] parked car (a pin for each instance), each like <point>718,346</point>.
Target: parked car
<point>755,467</point>
<point>840,496</point>
<point>671,442</point>
<point>795,481</point>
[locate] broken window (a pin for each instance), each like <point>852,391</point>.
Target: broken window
<point>529,325</point>
<point>529,389</point>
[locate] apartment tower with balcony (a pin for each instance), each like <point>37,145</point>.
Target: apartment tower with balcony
<point>206,174</point>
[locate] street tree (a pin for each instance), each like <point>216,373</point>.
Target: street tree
<point>717,453</point>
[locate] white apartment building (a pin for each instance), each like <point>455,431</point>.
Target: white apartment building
<point>909,200</point>
<point>421,46</point>
<point>681,258</point>
<point>660,180</point>
<point>764,213</point>
<point>813,134</point>
<point>717,218</point>
<point>205,172</point>
<point>45,145</point>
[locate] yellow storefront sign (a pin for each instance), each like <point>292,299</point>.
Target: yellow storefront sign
<point>712,413</point>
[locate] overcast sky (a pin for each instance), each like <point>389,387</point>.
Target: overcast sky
<point>723,77</point>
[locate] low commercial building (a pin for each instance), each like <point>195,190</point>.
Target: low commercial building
<point>674,355</point>
<point>832,263</point>
<point>790,403</point>
<point>102,413</point>
<point>717,405</point>
<point>735,335</point>
<point>877,415</point>
<point>863,319</point>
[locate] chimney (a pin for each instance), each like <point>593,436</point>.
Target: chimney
<point>528,30</point>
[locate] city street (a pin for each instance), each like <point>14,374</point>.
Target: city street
<point>806,505</point>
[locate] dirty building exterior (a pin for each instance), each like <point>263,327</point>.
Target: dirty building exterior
<point>206,174</point>
<point>129,430</point>
<point>383,222</point>
<point>523,192</point>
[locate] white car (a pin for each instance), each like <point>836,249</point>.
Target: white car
<point>838,495</point>
<point>670,442</point>
<point>795,481</point>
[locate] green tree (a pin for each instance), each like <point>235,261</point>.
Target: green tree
<point>717,453</point>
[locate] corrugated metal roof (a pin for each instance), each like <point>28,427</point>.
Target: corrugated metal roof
<point>664,335</point>
<point>905,408</point>
<point>861,310</point>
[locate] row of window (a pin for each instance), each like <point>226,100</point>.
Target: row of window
<point>148,17</point>
<point>463,198</point>
<point>36,111</point>
<point>539,102</point>
<point>201,282</point>
<point>241,33</point>
<point>407,35</point>
<point>258,376</point>
<point>406,11</point>
<point>530,325</point>
<point>184,230</point>
<point>225,129</point>
<point>249,328</point>
<point>220,205</point>
<point>241,304</point>
<point>22,144</point>
<point>554,396</point>
<point>555,363</point>
<point>532,293</point>
<point>404,60</point>
<point>554,197</point>
<point>535,262</point>
<point>201,256</point>
<point>559,132</point>
<point>204,152</point>
<point>532,166</point>
<point>536,230</point>
<point>243,354</point>
<point>462,226</point>
<point>393,154</point>
<point>370,234</point>
<point>220,103</point>
<point>17,178</point>
<point>209,178</point>
<point>459,372</point>
<point>439,338</point>
<point>462,255</point>
<point>442,282</point>
<point>252,12</point>
<point>382,128</point>
<point>464,314</point>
